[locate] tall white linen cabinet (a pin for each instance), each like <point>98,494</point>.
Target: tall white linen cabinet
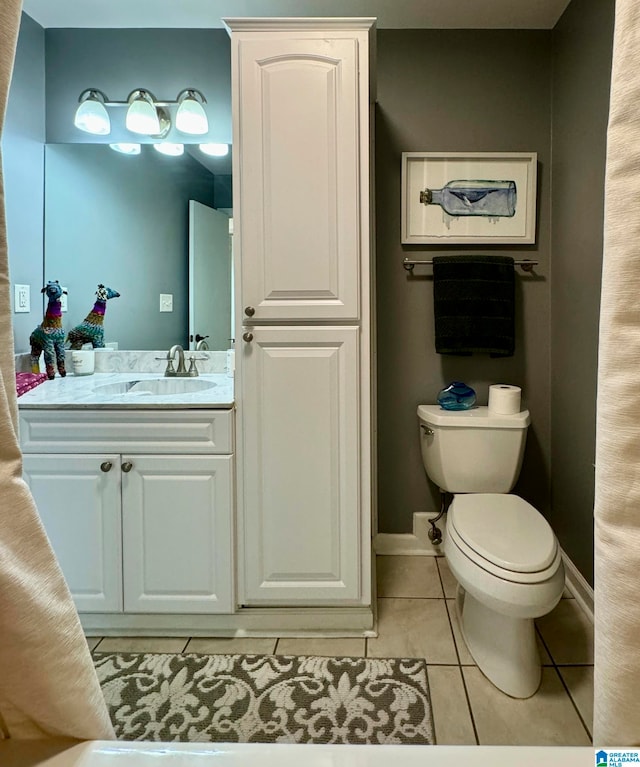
<point>302,142</point>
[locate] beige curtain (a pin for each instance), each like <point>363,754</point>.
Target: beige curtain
<point>617,506</point>
<point>48,686</point>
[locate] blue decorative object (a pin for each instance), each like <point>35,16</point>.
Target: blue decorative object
<point>457,396</point>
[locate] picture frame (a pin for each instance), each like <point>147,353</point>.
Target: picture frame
<point>455,198</point>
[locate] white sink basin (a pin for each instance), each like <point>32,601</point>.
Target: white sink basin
<point>154,387</point>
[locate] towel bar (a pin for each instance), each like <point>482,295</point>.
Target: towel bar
<point>526,264</point>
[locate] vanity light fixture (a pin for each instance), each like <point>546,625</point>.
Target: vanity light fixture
<point>215,150</point>
<point>190,116</point>
<point>92,116</point>
<point>146,115</point>
<point>168,148</point>
<point>125,148</point>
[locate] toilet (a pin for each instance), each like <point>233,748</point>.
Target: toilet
<point>500,549</point>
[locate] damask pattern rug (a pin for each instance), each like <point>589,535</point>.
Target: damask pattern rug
<point>267,698</point>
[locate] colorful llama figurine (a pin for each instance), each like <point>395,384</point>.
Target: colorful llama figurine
<point>91,329</point>
<point>48,337</point>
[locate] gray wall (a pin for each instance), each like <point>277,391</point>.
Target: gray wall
<point>445,90</point>
<point>582,44</point>
<point>117,61</point>
<point>23,166</point>
<point>122,221</point>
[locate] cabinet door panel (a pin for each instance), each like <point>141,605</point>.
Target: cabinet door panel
<point>299,169</point>
<point>301,515</point>
<point>79,505</point>
<point>177,534</point>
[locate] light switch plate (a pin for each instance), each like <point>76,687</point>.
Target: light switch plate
<point>63,300</point>
<point>166,302</point>
<point>22,298</point>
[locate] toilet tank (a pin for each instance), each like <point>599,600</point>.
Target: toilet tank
<point>472,451</point>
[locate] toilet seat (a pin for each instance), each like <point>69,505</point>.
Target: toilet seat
<point>504,535</point>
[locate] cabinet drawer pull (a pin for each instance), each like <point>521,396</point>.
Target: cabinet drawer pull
<point>127,466</point>
<point>248,337</point>
<point>106,466</point>
<point>249,311</point>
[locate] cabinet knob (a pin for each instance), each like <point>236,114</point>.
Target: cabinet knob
<point>127,466</point>
<point>249,311</point>
<point>106,466</point>
<point>248,337</point>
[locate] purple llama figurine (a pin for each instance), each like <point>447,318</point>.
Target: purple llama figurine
<point>91,329</point>
<point>48,337</point>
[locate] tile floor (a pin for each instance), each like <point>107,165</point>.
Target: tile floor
<point>416,619</point>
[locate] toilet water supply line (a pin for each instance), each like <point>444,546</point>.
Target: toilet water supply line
<point>435,534</point>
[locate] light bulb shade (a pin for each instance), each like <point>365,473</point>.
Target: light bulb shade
<point>91,115</point>
<point>125,148</point>
<point>169,148</point>
<point>142,114</point>
<point>191,117</point>
<point>215,150</point>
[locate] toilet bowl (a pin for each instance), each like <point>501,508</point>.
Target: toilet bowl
<point>509,571</point>
<point>500,549</point>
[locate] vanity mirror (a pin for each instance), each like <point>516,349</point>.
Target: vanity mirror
<point>88,214</point>
<point>153,226</point>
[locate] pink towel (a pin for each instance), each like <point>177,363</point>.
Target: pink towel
<point>26,381</point>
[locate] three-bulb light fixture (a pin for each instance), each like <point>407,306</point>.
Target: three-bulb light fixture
<point>149,117</point>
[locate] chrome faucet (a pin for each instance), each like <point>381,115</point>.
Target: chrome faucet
<point>171,371</point>
<point>182,372</point>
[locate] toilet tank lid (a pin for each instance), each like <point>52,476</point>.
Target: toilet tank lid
<point>476,417</point>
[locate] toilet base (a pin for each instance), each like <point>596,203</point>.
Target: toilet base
<point>503,647</point>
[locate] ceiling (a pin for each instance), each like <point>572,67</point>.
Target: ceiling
<point>391,14</point>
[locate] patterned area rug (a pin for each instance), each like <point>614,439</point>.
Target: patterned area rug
<point>266,698</point>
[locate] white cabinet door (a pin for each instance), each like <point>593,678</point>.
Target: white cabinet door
<point>78,498</point>
<point>296,181</point>
<point>301,493</point>
<point>176,519</point>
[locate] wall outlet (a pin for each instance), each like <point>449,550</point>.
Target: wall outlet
<point>166,302</point>
<point>63,300</point>
<point>22,298</point>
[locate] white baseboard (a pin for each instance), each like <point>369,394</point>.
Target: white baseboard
<point>578,586</point>
<point>411,544</point>
<point>246,622</point>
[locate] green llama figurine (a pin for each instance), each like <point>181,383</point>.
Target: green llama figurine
<point>48,337</point>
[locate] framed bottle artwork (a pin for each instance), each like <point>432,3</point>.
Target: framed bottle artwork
<point>466,197</point>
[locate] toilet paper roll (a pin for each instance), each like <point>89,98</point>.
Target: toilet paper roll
<point>504,399</point>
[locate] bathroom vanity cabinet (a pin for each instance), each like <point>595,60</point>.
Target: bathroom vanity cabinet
<point>138,506</point>
<point>301,498</point>
<point>297,95</point>
<point>155,547</point>
<point>302,104</point>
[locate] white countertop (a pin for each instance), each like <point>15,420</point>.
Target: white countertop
<point>84,392</point>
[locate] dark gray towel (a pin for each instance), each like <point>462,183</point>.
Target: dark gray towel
<point>474,305</point>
